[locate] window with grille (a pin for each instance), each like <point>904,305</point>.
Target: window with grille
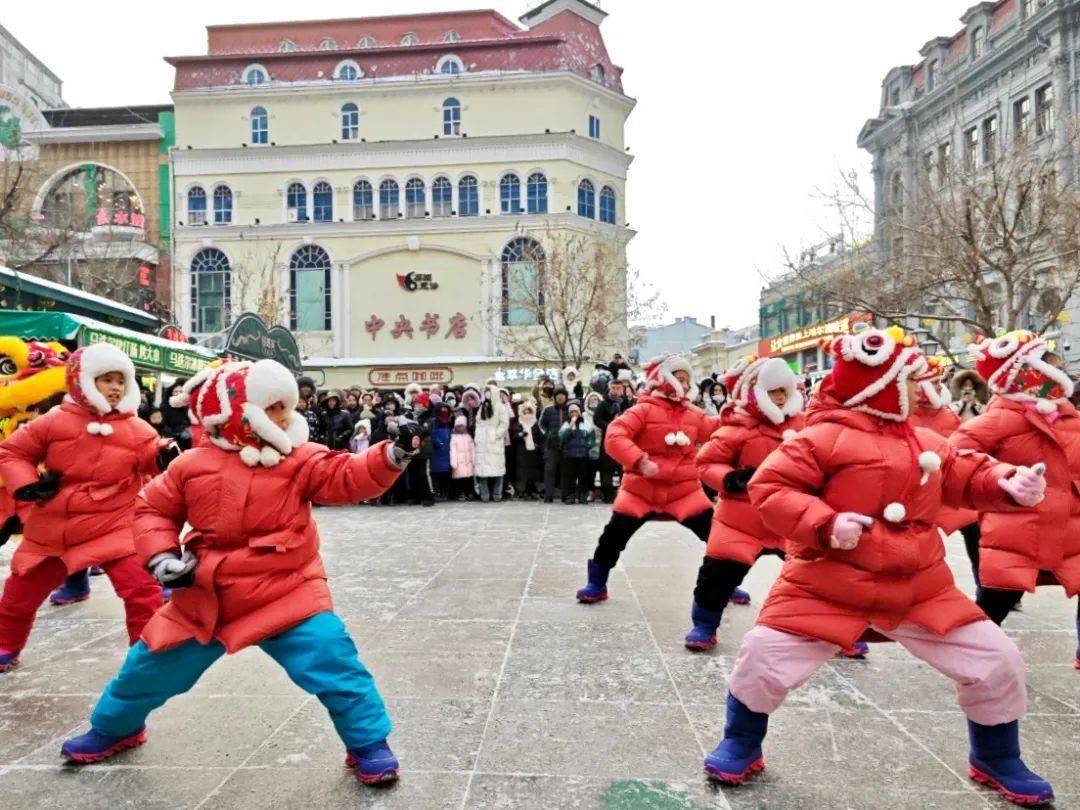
<point>468,197</point>
<point>442,197</point>
<point>388,200</point>
<point>522,282</point>
<point>222,205</point>
<point>322,202</point>
<point>309,290</point>
<point>296,202</point>
<point>586,199</point>
<point>537,193</point>
<point>196,206</point>
<point>350,122</point>
<point>451,109</point>
<point>607,205</point>
<point>260,125</point>
<point>363,201</point>
<point>211,283</point>
<point>510,194</point>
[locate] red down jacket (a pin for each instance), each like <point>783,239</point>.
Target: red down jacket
<point>259,570</point>
<point>644,430</point>
<point>944,422</point>
<point>1016,546</point>
<point>90,520</point>
<point>742,440</point>
<point>846,461</point>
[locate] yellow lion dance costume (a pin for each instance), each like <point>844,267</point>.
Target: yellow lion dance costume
<point>30,373</point>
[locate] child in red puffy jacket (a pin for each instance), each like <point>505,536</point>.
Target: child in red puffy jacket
<point>765,410</point>
<point>96,453</point>
<point>655,441</point>
<point>855,495</point>
<point>249,570</point>
<point>1028,420</point>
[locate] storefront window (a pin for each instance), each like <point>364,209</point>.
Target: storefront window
<point>91,196</point>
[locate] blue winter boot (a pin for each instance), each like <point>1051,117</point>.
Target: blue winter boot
<point>995,761</point>
<point>739,753</point>
<point>703,636</point>
<point>9,659</point>
<point>596,590</point>
<point>76,588</point>
<point>373,763</point>
<point>94,747</point>
<point>858,651</point>
<point>739,597</point>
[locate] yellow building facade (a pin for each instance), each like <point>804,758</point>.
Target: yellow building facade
<point>373,197</point>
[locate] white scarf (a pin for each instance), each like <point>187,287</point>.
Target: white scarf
<point>527,424</point>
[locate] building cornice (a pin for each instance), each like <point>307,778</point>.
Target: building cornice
<point>365,157</point>
<point>398,84</point>
<point>314,231</point>
<point>97,134</point>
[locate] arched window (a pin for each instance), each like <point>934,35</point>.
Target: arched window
<point>522,282</point>
<point>260,125</point>
<point>322,202</point>
<point>536,193</point>
<point>468,196</point>
<point>510,194</point>
<point>222,205</point>
<point>327,44</point>
<point>365,42</point>
<point>451,117</point>
<point>350,121</point>
<point>196,206</point>
<point>978,42</point>
<point>449,66</point>
<point>363,206</point>
<point>296,202</point>
<point>410,39</point>
<point>309,290</point>
<point>255,74</point>
<point>607,205</point>
<point>211,284</point>
<point>442,197</point>
<point>414,198</point>
<point>388,200</point>
<point>451,36</point>
<point>586,199</point>
<point>348,71</point>
<point>286,45</point>
<point>93,195</point>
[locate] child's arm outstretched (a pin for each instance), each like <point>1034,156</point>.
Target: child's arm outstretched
<point>344,478</point>
<point>716,459</point>
<point>621,442</point>
<point>22,452</point>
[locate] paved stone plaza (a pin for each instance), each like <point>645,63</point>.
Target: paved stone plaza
<point>508,694</point>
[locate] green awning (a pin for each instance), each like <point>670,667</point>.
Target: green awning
<point>24,292</point>
<point>147,352</point>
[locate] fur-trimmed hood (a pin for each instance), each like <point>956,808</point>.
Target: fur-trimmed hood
<point>91,362</point>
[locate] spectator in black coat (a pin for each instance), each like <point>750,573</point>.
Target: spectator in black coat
<point>553,417</point>
<point>614,404</point>
<point>339,424</point>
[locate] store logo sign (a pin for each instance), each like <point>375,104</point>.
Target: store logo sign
<point>411,282</point>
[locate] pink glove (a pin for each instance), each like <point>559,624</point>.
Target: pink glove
<point>1027,486</point>
<point>648,468</point>
<point>847,530</point>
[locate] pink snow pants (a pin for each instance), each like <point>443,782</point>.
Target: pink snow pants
<point>980,658</point>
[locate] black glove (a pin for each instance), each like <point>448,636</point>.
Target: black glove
<point>47,485</point>
<point>735,481</point>
<point>11,526</point>
<point>167,455</point>
<point>402,434</point>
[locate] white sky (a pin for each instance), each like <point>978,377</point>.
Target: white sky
<point>743,107</point>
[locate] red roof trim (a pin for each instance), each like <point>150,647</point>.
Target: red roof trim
<point>439,47</point>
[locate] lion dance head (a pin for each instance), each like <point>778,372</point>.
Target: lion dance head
<point>32,378</point>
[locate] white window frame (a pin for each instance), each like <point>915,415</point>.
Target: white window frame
<point>449,59</point>
<point>410,39</point>
<point>344,63</point>
<point>249,69</point>
<point>328,44</point>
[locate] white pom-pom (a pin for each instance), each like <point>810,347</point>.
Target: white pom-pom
<point>250,455</point>
<point>682,439</point>
<point>269,457</point>
<point>895,512</point>
<point>929,461</point>
<point>1045,406</point>
<point>180,399</point>
<point>94,428</point>
<point>789,434</point>
<point>670,440</point>
<point>106,429</point>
